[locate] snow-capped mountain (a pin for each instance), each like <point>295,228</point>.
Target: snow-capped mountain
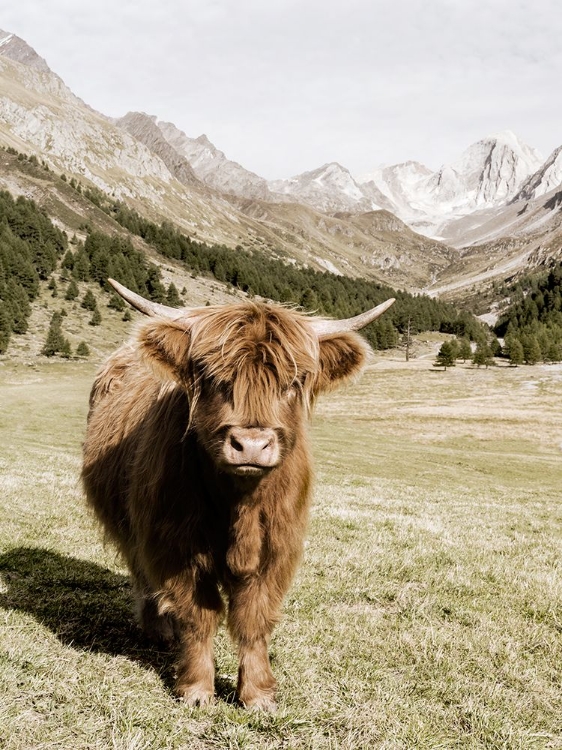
<point>395,185</point>
<point>134,161</point>
<point>330,189</point>
<point>488,174</point>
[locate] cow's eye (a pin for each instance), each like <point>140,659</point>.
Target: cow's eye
<point>296,387</point>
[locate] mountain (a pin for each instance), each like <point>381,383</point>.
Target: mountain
<point>329,189</point>
<point>548,177</point>
<point>484,215</point>
<point>488,172</point>
<point>487,175</point>
<point>395,185</point>
<point>143,162</point>
<point>17,49</point>
<point>211,165</point>
<point>144,128</point>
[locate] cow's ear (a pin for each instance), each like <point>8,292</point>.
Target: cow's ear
<point>342,356</point>
<point>164,345</point>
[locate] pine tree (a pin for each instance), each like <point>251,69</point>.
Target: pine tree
<point>72,291</point>
<point>516,356</point>
<point>116,303</point>
<point>18,305</point>
<point>81,267</point>
<point>465,352</point>
<point>96,318</point>
<point>445,356</point>
<point>455,348</point>
<point>555,352</point>
<point>495,347</point>
<point>531,349</point>
<point>68,260</point>
<point>483,354</point>
<point>5,327</point>
<point>56,343</point>
<point>309,300</point>
<point>172,296</point>
<point>89,301</point>
<point>83,350</point>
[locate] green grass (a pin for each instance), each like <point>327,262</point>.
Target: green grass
<point>427,612</point>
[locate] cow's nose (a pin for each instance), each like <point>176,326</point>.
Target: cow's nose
<point>257,446</point>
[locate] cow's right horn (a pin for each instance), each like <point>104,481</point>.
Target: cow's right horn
<point>154,309</point>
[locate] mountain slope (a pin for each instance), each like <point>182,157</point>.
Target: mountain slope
<point>40,116</point>
<point>144,128</point>
<point>548,177</point>
<point>324,218</point>
<point>212,167</point>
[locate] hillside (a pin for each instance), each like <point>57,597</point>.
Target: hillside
<point>40,116</point>
<point>53,278</point>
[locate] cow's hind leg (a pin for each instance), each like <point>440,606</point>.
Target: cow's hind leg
<point>157,623</point>
<point>159,626</point>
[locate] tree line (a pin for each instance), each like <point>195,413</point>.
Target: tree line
<point>531,326</point>
<point>32,248</point>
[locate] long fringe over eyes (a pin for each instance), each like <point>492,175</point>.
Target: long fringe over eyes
<point>258,351</point>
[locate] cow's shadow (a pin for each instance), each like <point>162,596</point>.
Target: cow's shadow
<point>87,607</point>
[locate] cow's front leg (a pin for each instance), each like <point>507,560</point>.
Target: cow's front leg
<point>198,611</point>
<point>253,612</point>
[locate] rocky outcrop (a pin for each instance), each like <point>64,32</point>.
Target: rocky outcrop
<point>144,128</point>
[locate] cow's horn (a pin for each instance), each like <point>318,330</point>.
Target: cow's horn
<point>154,309</point>
<point>324,327</point>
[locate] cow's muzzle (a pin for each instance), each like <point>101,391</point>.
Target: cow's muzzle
<point>251,451</point>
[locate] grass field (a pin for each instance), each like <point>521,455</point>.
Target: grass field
<point>427,612</point>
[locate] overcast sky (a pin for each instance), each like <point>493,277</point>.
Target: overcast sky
<point>284,86</point>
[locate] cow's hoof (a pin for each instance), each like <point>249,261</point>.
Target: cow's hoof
<point>195,695</point>
<point>261,702</point>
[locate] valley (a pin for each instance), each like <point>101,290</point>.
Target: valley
<point>491,214</point>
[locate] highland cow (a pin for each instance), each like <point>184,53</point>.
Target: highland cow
<point>196,462</point>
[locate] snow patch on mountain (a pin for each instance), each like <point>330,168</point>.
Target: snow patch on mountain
<point>331,188</point>
<point>488,174</point>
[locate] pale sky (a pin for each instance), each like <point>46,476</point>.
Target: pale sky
<point>284,86</point>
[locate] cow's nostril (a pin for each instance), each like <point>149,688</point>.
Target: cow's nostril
<point>236,444</point>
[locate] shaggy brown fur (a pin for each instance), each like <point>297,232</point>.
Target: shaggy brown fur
<point>196,463</point>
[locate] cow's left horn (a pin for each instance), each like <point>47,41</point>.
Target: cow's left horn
<point>325,327</point>
<point>154,309</point>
